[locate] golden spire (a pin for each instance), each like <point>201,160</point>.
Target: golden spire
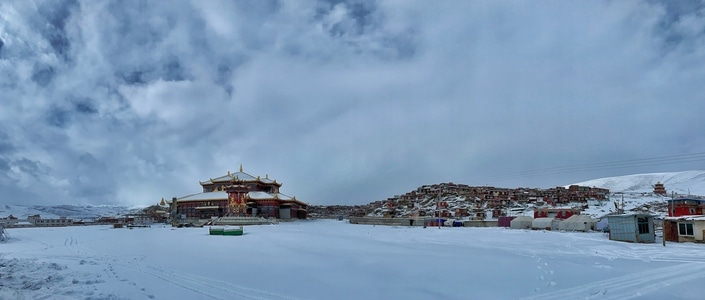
<point>240,167</point>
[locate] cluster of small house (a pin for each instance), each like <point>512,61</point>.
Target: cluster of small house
<point>499,196</point>
<point>333,211</point>
<point>685,223</point>
<point>636,228</point>
<point>461,200</point>
<point>568,219</point>
<point>37,221</point>
<point>34,221</point>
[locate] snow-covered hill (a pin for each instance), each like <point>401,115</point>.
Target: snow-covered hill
<point>87,212</point>
<point>635,192</point>
<point>632,193</point>
<point>686,182</point>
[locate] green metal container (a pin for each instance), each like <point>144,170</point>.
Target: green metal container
<point>233,231</point>
<point>216,230</point>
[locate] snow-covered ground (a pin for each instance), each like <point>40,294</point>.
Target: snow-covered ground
<point>326,259</point>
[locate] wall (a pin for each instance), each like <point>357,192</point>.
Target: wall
<point>479,223</point>
<point>387,221</point>
<point>624,228</point>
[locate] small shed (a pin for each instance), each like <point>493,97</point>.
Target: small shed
<point>578,223</point>
<point>505,221</point>
<point>684,229</point>
<point>635,228</point>
<point>521,222</point>
<point>544,223</point>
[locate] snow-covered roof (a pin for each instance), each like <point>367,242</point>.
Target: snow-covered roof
<point>219,195</point>
<point>580,219</point>
<point>239,176</point>
<point>260,195</point>
<point>687,218</point>
<point>542,222</point>
<point>627,215</point>
<point>284,197</point>
<point>695,200</point>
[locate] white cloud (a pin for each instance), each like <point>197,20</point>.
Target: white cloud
<point>344,102</point>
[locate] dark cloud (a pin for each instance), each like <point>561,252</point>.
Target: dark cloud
<point>57,117</point>
<point>342,101</point>
<point>85,107</point>
<point>43,74</point>
<point>52,24</point>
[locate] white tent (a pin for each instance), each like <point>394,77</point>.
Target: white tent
<point>578,223</point>
<point>521,222</point>
<point>543,223</point>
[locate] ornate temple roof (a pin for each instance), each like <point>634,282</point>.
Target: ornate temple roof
<point>240,176</point>
<point>256,195</point>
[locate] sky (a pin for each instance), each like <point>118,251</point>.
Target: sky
<point>344,102</point>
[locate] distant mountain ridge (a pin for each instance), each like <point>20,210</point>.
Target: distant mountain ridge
<point>686,182</point>
<point>76,212</point>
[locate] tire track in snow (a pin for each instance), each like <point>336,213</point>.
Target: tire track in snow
<point>195,283</point>
<point>625,287</point>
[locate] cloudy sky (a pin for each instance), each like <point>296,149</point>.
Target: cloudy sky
<point>126,102</point>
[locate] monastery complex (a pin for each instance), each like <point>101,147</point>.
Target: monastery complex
<point>239,195</point>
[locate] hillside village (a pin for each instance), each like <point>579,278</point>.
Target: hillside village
<point>450,200</point>
<point>641,193</point>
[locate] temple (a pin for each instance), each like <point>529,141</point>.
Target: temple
<point>659,189</point>
<point>240,194</point>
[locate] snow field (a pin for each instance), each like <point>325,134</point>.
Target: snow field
<point>326,259</point>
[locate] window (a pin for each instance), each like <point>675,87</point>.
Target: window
<point>643,224</point>
<point>685,229</point>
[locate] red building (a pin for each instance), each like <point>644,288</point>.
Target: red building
<point>240,194</point>
<point>685,207</point>
<point>558,213</point>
